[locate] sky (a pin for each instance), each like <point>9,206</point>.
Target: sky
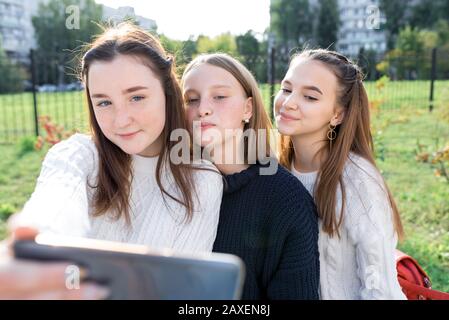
<point>178,19</point>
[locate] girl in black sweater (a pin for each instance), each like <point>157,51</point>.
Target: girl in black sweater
<point>267,217</point>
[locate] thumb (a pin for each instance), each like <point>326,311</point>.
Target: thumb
<point>19,230</point>
<point>24,233</point>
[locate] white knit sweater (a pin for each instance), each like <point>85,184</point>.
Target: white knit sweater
<point>361,264</point>
<point>62,202</point>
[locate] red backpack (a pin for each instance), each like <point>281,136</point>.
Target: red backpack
<point>414,280</point>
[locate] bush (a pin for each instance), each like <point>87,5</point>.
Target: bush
<point>26,145</point>
<point>6,210</point>
<point>53,133</point>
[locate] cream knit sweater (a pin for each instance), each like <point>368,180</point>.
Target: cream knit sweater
<point>360,265</point>
<point>62,202</point>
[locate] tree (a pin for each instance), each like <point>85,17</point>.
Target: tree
<point>183,51</point>
<point>60,31</point>
<point>445,10</point>
<point>248,50</point>
<point>189,49</point>
<point>396,19</point>
<point>328,24</point>
<point>291,21</point>
<point>425,13</point>
<point>292,25</point>
<point>411,58</point>
<point>12,75</point>
<point>222,43</point>
<point>442,28</point>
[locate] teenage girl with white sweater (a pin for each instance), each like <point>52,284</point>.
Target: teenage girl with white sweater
<point>120,184</point>
<point>322,113</point>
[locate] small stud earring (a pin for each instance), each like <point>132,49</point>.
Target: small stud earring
<point>246,120</point>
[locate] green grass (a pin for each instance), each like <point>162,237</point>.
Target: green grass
<point>18,174</point>
<point>410,94</point>
<point>402,122</point>
<point>423,198</point>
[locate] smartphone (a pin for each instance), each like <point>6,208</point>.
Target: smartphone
<point>139,272</point>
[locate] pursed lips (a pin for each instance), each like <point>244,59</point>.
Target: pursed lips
<point>287,117</point>
<point>206,125</point>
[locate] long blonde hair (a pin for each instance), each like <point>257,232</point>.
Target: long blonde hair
<point>353,135</point>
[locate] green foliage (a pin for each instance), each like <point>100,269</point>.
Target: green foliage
<point>410,40</point>
<point>442,28</point>
<point>412,56</point>
<point>175,48</point>
<point>222,43</point>
<point>12,75</point>
<point>6,210</point>
<point>26,145</point>
<point>423,14</point>
<point>291,21</point>
<point>252,53</point>
<point>329,24</point>
<point>57,43</point>
<point>291,24</point>
<point>189,49</point>
<point>248,47</point>
<point>395,19</point>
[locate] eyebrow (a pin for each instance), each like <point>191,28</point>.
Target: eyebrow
<point>136,88</point>
<point>220,86</point>
<point>305,87</point>
<point>313,88</point>
<point>129,90</point>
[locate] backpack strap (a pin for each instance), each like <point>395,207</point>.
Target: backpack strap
<point>422,291</point>
<point>425,291</point>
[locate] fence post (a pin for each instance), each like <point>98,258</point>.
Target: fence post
<point>33,80</point>
<point>272,77</point>
<point>432,78</point>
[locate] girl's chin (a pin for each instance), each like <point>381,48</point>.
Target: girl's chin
<point>208,141</point>
<point>286,131</point>
<point>132,150</point>
<point>209,144</point>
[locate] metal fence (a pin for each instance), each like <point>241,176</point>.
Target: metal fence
<point>47,87</point>
<point>33,90</point>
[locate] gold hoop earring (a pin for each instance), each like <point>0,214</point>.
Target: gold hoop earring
<point>331,135</point>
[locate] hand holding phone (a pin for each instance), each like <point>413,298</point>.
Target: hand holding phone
<point>35,281</point>
<point>139,272</point>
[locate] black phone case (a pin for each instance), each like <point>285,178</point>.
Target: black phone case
<point>147,276</point>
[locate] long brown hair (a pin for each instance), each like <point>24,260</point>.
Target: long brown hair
<point>353,135</point>
<point>259,119</point>
<point>112,190</point>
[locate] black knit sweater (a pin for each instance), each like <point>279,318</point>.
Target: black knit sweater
<point>270,222</point>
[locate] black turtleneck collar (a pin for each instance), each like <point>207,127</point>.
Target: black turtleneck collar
<point>236,181</point>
